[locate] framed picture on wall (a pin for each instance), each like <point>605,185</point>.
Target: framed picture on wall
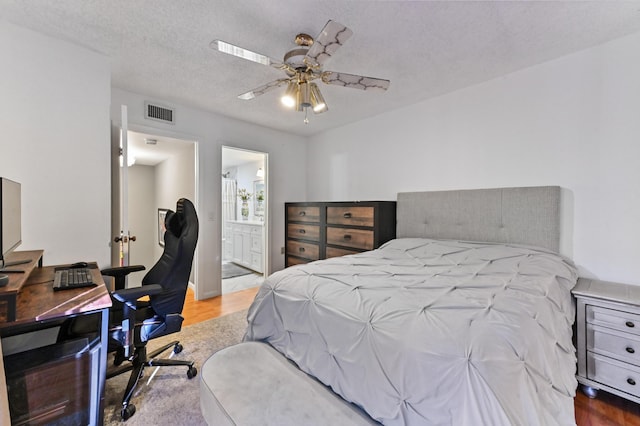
<point>162,214</point>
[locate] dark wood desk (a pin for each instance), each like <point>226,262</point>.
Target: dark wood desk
<point>38,307</point>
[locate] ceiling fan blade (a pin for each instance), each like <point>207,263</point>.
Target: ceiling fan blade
<point>355,81</point>
<point>263,89</point>
<point>240,52</point>
<point>332,36</point>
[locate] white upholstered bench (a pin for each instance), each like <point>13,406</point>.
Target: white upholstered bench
<point>252,384</point>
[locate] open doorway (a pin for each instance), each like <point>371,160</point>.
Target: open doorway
<point>161,170</point>
<point>244,261</point>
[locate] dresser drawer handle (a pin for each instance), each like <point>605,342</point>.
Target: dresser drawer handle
<point>302,231</point>
<point>347,237</point>
<point>630,324</point>
<point>302,213</point>
<point>631,350</point>
<point>631,381</point>
<point>301,249</point>
<point>347,215</point>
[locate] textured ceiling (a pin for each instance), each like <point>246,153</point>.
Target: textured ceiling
<point>161,48</point>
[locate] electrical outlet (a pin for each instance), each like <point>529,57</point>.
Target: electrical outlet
<point>281,250</point>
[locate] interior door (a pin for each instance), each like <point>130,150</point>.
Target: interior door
<point>120,193</point>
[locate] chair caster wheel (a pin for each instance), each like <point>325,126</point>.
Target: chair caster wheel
<point>192,372</point>
<point>177,348</point>
<point>590,392</point>
<point>127,412</point>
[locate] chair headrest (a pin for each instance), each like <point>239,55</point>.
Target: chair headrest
<point>174,221</point>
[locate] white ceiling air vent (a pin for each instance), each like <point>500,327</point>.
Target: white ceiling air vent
<point>159,113</point>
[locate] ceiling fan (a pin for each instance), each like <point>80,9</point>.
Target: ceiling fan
<point>302,66</point>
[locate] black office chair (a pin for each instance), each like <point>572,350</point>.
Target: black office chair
<point>132,322</point>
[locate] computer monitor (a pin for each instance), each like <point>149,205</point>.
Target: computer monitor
<point>10,218</point>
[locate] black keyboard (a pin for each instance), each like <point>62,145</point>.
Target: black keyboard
<point>72,278</point>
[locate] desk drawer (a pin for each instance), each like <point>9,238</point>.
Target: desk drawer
<point>354,216</point>
<point>615,344</point>
<point>346,237</point>
<point>308,251</point>
<point>616,374</point>
<point>611,318</point>
<point>303,232</point>
<point>303,214</point>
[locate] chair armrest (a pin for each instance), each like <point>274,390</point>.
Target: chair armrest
<point>119,273</point>
<point>121,270</point>
<point>130,295</point>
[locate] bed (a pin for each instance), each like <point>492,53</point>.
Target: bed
<point>465,318</point>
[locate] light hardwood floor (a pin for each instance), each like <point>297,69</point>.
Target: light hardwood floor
<point>605,410</point>
<point>195,311</point>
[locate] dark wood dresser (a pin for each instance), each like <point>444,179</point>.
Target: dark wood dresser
<point>319,230</point>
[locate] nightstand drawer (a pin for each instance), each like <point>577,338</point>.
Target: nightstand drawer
<point>303,232</point>
<point>303,214</point>
<point>622,346</point>
<point>611,318</point>
<point>619,375</point>
<point>347,237</point>
<point>337,252</point>
<point>354,216</point>
<point>308,251</point>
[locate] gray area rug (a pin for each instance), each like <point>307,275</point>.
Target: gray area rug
<point>230,270</point>
<point>171,398</point>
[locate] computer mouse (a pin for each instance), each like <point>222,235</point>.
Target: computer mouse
<point>78,265</point>
<point>4,280</point>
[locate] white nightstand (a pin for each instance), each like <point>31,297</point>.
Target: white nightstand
<point>608,332</point>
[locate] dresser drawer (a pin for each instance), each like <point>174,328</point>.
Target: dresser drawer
<point>614,344</point>
<point>619,375</point>
<point>611,318</point>
<point>354,216</point>
<point>303,214</point>
<point>296,261</point>
<point>308,251</point>
<point>337,252</point>
<point>357,238</point>
<point>303,232</point>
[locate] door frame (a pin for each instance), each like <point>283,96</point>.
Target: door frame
<point>138,128</point>
<point>266,258</point>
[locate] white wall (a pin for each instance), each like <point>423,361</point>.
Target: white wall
<point>573,122</point>
<point>54,112</point>
<point>287,154</point>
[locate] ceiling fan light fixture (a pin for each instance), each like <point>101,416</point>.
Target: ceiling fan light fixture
<point>290,95</point>
<point>304,64</point>
<point>304,96</point>
<point>317,101</point>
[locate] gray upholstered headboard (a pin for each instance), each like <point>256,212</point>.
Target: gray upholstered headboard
<point>529,215</point>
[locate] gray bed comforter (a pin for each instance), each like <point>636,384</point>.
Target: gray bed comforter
<point>431,332</point>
